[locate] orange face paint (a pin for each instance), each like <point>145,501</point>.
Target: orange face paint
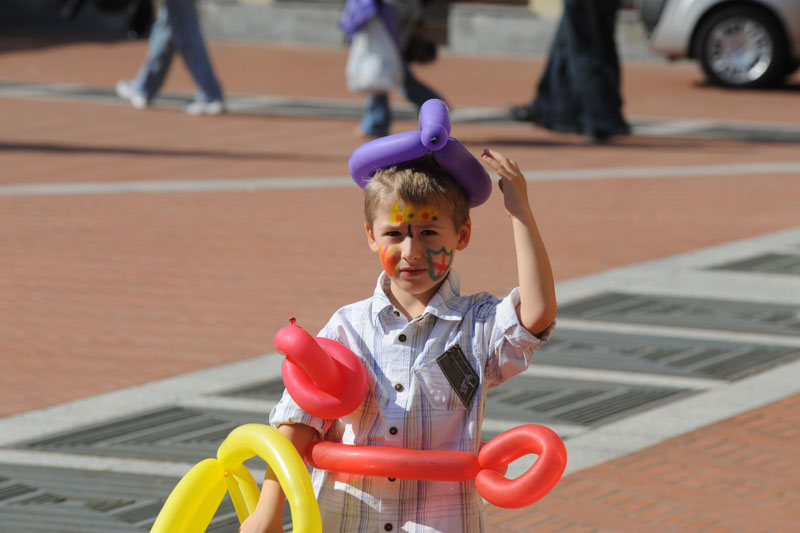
<point>390,258</point>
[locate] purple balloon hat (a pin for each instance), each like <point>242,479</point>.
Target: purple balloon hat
<point>433,136</point>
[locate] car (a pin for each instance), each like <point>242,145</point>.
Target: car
<point>739,43</point>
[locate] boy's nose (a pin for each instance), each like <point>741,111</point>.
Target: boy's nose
<point>411,249</point>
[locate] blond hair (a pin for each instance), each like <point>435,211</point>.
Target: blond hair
<point>420,182</point>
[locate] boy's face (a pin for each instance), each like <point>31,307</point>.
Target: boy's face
<point>416,244</point>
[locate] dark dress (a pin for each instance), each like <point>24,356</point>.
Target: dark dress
<point>579,90</point>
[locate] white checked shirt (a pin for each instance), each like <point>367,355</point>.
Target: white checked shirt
<point>411,404</point>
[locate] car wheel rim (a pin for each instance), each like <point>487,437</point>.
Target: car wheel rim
<point>739,50</point>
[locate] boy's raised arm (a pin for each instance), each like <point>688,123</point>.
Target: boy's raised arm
<point>537,308</point>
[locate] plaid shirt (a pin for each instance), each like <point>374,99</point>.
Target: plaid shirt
<point>411,404</point>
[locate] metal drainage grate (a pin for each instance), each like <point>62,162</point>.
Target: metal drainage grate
<point>660,355</point>
<point>270,390</point>
<point>686,312</point>
<point>55,500</point>
<point>73,500</point>
<point>768,263</point>
<point>177,434</point>
<point>553,401</point>
<point>9,491</point>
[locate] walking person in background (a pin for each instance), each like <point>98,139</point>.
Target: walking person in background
<point>402,18</point>
<point>579,91</point>
<point>176,27</point>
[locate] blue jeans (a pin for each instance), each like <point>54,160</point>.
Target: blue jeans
<point>177,27</point>
<point>580,87</point>
<point>377,115</point>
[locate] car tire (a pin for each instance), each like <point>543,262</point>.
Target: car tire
<point>742,47</point>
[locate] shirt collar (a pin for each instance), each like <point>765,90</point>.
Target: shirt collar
<point>446,304</point>
<point>380,301</point>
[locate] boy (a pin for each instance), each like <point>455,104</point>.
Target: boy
<point>414,335</point>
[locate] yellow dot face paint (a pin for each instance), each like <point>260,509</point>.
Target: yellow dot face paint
<point>412,214</point>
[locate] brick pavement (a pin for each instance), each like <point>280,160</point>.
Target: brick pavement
<point>737,475</point>
<point>109,290</point>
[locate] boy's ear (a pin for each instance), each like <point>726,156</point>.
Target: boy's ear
<point>373,245</point>
<point>464,233</point>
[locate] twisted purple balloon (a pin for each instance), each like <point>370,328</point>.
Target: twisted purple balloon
<point>433,136</point>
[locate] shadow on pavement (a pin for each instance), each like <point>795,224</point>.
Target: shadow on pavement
<point>792,85</point>
<point>120,150</point>
<point>571,141</point>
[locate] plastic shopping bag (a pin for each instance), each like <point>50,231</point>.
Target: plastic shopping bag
<point>373,62</point>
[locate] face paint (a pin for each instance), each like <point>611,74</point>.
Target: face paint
<point>409,214</point>
<point>390,258</point>
<point>439,262</point>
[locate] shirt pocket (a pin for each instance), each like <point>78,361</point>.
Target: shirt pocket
<point>437,389</point>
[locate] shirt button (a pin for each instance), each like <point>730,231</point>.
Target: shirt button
<point>388,527</point>
<point>393,430</point>
<point>398,388</point>
<point>392,479</point>
<point>397,313</point>
<point>401,338</point>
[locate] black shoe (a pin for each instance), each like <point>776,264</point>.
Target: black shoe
<point>603,135</point>
<point>523,113</point>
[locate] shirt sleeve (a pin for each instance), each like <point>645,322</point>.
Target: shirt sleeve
<point>511,345</point>
<point>288,412</point>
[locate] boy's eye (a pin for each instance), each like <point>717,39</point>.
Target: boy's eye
<point>393,233</point>
<point>428,232</point>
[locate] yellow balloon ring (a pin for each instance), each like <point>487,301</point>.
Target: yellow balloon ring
<point>194,500</point>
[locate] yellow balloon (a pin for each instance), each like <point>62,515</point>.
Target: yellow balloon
<point>281,456</point>
<point>196,495</point>
<point>243,490</point>
<point>194,500</point>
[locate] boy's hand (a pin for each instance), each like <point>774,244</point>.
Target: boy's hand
<point>512,184</point>
<point>256,524</point>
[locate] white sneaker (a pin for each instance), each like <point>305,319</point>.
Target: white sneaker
<point>214,107</point>
<point>126,91</point>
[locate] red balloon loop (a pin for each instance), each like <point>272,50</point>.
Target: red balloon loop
<point>323,376</point>
<point>533,484</point>
<point>502,471</point>
<point>487,468</point>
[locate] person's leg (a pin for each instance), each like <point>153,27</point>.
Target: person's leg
<point>415,91</point>
<point>377,115</point>
<point>612,72</point>
<point>554,106</point>
<point>189,41</point>
<point>590,68</point>
<point>159,58</point>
